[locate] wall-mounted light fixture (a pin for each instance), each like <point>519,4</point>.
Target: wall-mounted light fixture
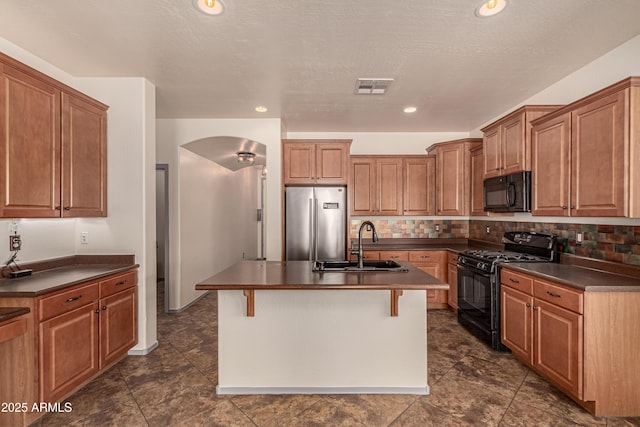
<point>209,7</point>
<point>246,157</point>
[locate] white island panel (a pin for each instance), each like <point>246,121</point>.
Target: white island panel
<point>322,341</point>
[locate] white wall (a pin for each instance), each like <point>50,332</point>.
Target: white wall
<point>131,176</point>
<point>217,220</point>
<point>171,135</point>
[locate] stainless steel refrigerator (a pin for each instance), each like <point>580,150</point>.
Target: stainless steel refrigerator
<point>315,223</point>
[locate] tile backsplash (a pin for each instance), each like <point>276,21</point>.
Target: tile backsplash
<point>616,243</point>
<point>414,228</point>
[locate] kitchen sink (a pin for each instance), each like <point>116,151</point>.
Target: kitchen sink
<point>352,266</point>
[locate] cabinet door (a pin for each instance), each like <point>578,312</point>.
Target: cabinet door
<point>332,163</point>
<point>477,183</point>
<point>558,346</point>
<point>512,137</point>
<point>389,186</point>
<point>551,166</point>
<point>598,144</point>
<point>515,322</point>
<point>298,163</point>
<point>452,279</point>
<point>68,351</point>
<point>118,325</point>
<point>450,180</point>
<point>491,153</point>
<point>419,186</point>
<point>29,146</point>
<point>362,189</point>
<point>84,158</point>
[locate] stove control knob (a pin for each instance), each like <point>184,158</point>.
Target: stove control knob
<point>462,261</point>
<point>482,266</point>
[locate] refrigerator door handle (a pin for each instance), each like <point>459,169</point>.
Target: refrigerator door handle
<point>311,228</point>
<point>316,236</point>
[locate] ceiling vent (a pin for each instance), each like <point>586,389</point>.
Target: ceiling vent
<point>372,86</point>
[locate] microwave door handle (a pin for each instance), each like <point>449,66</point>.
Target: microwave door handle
<point>511,202</point>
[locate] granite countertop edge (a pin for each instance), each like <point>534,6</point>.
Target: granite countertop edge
<point>581,278</point>
<point>63,276</point>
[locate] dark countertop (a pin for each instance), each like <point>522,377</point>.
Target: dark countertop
<point>8,313</point>
<point>411,244</point>
<point>586,279</point>
<point>289,275</point>
<point>64,272</point>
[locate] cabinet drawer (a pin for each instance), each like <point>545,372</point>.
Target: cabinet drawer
<point>68,300</point>
<point>370,255</point>
<point>517,281</point>
<point>394,255</point>
<point>452,257</point>
<point>427,256</point>
<point>118,283</point>
<point>559,295</point>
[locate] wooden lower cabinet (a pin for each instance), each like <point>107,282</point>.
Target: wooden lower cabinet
<point>585,343</point>
<point>452,279</point>
<point>118,325</point>
<point>71,335</point>
<point>68,351</point>
<point>435,264</point>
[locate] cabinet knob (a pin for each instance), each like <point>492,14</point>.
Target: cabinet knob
<point>67,208</point>
<point>573,207</point>
<point>564,207</point>
<point>535,307</point>
<point>58,207</point>
<point>97,311</point>
<point>528,305</point>
<point>104,307</point>
<point>497,169</point>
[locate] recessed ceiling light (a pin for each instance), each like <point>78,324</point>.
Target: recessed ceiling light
<point>261,109</point>
<point>410,109</point>
<point>209,7</point>
<point>490,8</point>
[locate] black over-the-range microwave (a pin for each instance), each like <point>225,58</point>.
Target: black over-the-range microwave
<point>508,193</point>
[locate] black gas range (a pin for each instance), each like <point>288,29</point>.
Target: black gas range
<point>479,280</point>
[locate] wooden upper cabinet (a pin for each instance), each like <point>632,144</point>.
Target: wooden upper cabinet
<point>507,141</point>
<point>315,161</point>
<point>551,163</point>
<point>52,147</point>
<point>29,146</point>
<point>584,158</point>
<point>453,176</point>
<point>477,182</point>
<point>84,158</point>
<point>375,185</point>
<point>419,185</point>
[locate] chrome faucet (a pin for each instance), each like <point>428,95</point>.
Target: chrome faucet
<point>371,227</point>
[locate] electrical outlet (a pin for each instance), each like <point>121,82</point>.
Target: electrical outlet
<point>437,227</point>
<point>579,238</point>
<point>84,238</point>
<point>15,242</point>
<point>488,230</point>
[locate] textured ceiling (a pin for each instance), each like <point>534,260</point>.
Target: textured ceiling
<point>301,58</point>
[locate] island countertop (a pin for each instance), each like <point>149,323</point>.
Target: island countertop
<point>274,275</point>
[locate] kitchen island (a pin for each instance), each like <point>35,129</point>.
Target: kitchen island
<point>283,328</point>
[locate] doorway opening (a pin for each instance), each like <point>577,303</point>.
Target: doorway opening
<point>162,236</point>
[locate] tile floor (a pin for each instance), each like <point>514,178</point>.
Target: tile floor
<point>175,386</point>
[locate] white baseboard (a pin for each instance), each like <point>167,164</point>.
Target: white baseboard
<point>323,390</point>
<point>144,351</point>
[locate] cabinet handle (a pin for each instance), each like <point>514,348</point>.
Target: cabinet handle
<point>572,207</point>
<point>535,307</point>
<point>554,295</point>
<point>564,207</point>
<point>74,298</point>
<point>514,280</point>
<point>58,207</point>
<point>394,256</point>
<point>528,305</point>
<point>67,208</point>
<point>104,307</point>
<point>497,169</point>
<point>425,256</point>
<point>122,282</point>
